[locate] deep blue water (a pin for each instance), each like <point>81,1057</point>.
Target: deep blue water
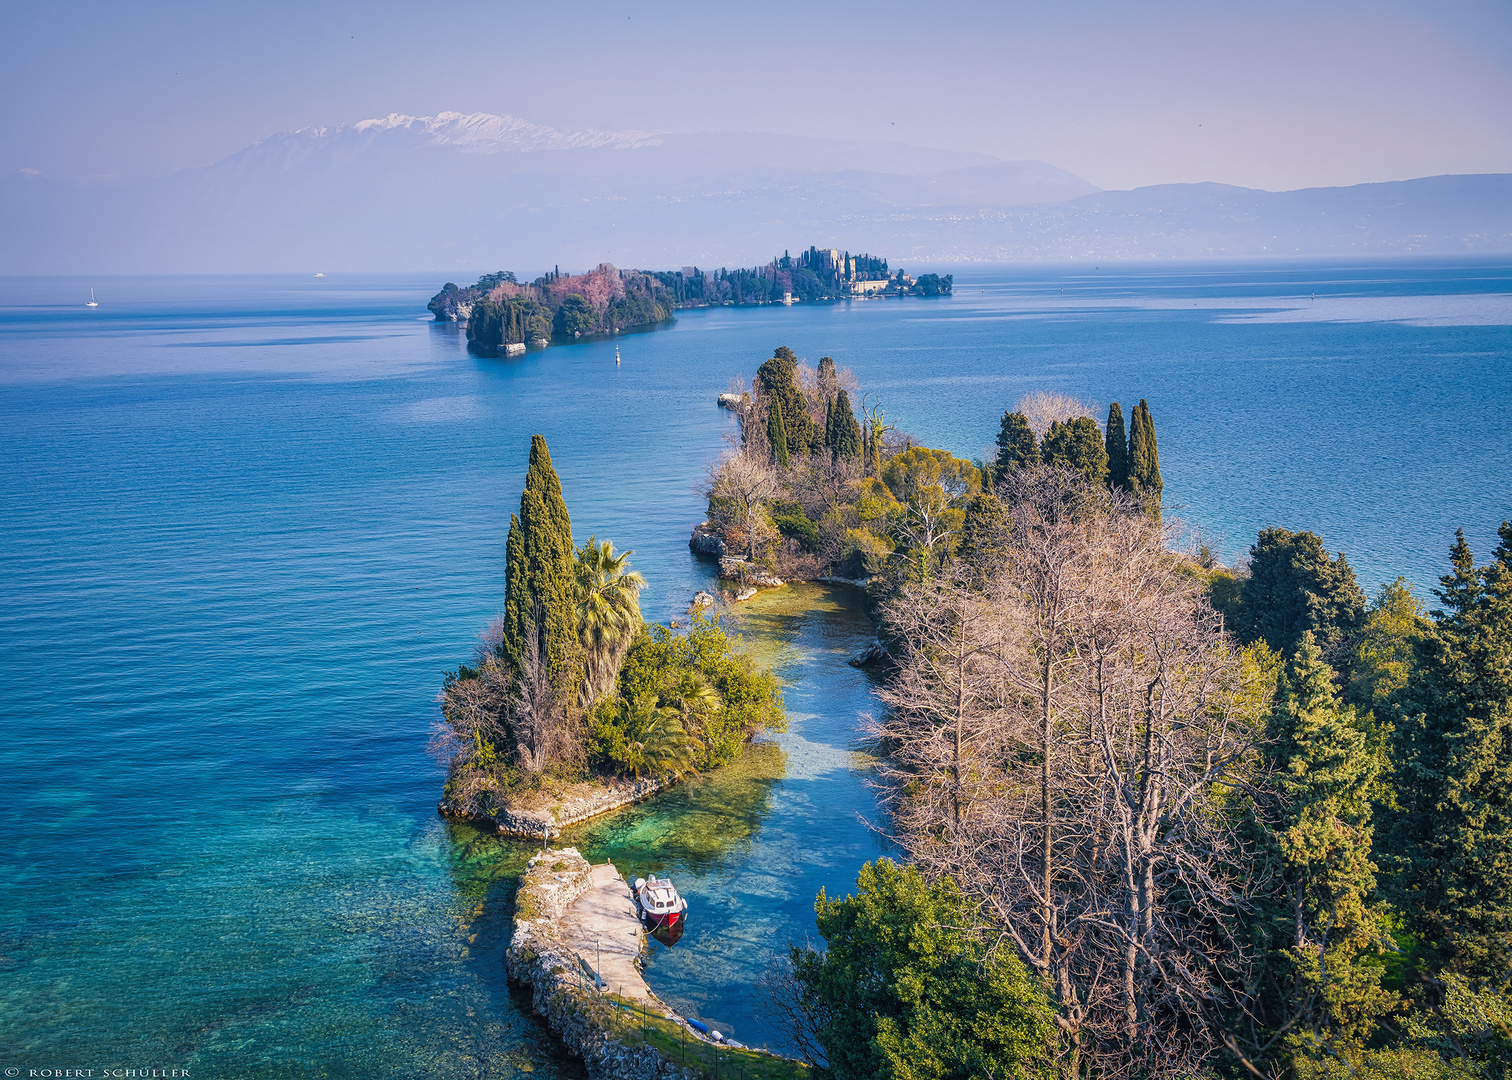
<point>248,524</point>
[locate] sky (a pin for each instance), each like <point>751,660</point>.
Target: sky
<point>1276,95</point>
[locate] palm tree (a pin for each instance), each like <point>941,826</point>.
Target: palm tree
<point>608,613</point>
<point>695,700</point>
<point>655,740</point>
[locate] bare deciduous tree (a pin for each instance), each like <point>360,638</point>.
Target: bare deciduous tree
<point>1043,408</point>
<point>1063,743</point>
<point>741,483</point>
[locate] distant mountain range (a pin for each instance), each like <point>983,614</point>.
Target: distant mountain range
<point>460,193</point>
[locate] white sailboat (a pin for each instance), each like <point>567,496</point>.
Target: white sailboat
<point>92,301</point>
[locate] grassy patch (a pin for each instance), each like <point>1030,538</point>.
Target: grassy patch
<point>633,1027</point>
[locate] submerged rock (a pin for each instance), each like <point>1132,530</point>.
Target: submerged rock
<point>875,653</point>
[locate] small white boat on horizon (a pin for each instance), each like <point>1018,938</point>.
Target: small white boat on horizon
<point>658,900</point>
<point>92,301</point>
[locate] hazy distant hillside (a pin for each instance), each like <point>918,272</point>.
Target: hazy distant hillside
<point>463,193</point>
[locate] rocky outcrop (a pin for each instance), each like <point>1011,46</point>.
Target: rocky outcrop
<point>701,599</point>
<point>736,568</point>
<point>855,583</point>
<point>706,541</point>
<point>733,401</point>
<point>453,304</point>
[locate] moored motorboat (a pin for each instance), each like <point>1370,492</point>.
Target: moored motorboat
<point>658,901</point>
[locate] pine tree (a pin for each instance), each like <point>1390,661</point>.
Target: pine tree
<point>1117,446</point>
<point>1079,445</point>
<point>1293,588</point>
<point>1144,457</point>
<point>1451,835</point>
<point>1017,446</point>
<point>848,442</point>
<point>1322,969</point>
<point>777,434</point>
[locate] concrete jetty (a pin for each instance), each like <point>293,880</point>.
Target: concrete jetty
<point>602,927</point>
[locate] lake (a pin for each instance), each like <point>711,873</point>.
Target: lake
<point>250,523</point>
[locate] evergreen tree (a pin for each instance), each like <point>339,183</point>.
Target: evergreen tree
<point>1293,588</point>
<point>906,989</point>
<point>828,380</point>
<point>829,424</point>
<point>777,380</point>
<point>517,601</point>
<point>1078,444</point>
<point>1144,456</point>
<point>546,547</point>
<point>1322,967</point>
<point>1118,448</point>
<point>777,434</point>
<point>1451,835</point>
<point>1017,446</point>
<point>847,441</point>
<point>984,534</point>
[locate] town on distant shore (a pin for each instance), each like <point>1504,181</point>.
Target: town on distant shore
<point>505,316</point>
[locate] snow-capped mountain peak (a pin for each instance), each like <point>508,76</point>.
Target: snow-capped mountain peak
<point>487,133</point>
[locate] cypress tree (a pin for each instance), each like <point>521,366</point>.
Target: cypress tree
<point>516,597</point>
<point>1451,836</point>
<point>777,380</point>
<point>546,546</point>
<point>1322,968</point>
<point>1117,446</point>
<point>777,434</point>
<point>829,423</point>
<point>848,441</point>
<point>1144,457</point>
<point>1017,446</point>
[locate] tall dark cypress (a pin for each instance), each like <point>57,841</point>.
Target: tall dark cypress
<point>1017,446</point>
<point>829,423</point>
<point>777,380</point>
<point>848,441</point>
<point>1144,457</point>
<point>1118,448</point>
<point>546,534</point>
<point>516,597</point>
<point>777,434</point>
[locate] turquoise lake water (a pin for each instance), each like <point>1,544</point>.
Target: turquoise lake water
<point>249,523</point>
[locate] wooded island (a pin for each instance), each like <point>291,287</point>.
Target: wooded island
<point>504,315</point>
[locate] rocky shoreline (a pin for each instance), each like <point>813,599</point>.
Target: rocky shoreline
<point>576,804</point>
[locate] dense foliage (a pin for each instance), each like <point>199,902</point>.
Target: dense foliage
<point>910,987</point>
<point>570,679</point>
<point>690,700</point>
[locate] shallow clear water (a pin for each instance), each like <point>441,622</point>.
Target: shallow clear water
<point>248,524</point>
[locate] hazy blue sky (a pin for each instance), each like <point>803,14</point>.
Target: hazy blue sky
<point>1272,94</point>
